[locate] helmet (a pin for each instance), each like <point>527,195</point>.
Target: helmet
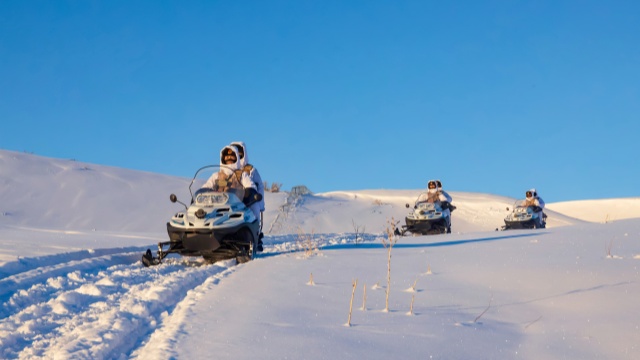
<point>439,184</point>
<point>432,184</point>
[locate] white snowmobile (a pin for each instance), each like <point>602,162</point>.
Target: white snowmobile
<point>427,218</point>
<point>524,217</point>
<point>218,223</point>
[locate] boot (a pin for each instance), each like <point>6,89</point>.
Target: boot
<point>260,248</point>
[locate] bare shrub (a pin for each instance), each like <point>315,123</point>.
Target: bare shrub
<point>274,187</point>
<point>358,230</point>
<point>307,243</point>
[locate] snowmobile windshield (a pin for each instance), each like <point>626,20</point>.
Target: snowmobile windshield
<point>520,203</point>
<point>212,184</point>
<point>521,206</point>
<point>426,198</point>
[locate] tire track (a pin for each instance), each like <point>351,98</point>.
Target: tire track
<point>97,307</point>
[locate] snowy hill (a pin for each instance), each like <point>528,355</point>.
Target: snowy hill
<point>44,193</point>
<point>602,211</point>
<point>66,194</point>
<point>71,284</point>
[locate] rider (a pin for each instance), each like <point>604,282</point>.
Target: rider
<point>257,207</point>
<point>537,205</point>
<point>447,206</point>
<point>225,179</point>
<point>434,194</point>
<point>439,187</point>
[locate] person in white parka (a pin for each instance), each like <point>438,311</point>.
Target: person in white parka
<point>448,207</point>
<point>228,165</point>
<point>537,204</point>
<point>258,207</point>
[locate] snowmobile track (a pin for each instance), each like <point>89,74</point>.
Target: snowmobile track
<point>48,310</point>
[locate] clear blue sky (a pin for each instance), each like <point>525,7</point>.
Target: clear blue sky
<point>488,96</point>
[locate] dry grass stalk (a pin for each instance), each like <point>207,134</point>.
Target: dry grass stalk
<point>411,307</point>
<point>533,322</point>
<point>353,292</point>
<point>609,248</point>
<point>485,310</point>
<point>364,297</point>
<point>388,242</point>
<point>311,280</point>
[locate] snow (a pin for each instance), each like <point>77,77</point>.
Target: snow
<point>72,286</point>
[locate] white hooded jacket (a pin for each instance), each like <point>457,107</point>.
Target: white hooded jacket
<point>433,195</point>
<point>534,200</point>
<point>253,173</point>
<point>228,169</point>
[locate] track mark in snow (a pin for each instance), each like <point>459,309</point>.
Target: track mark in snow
<point>95,308</point>
<point>26,273</point>
<point>166,336</point>
<point>23,265</point>
<point>104,304</point>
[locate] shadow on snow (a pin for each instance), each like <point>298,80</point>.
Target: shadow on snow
<point>400,245</point>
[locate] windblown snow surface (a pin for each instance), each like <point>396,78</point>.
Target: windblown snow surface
<point>72,285</point>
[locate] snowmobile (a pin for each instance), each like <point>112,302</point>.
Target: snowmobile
<point>524,217</point>
<point>427,218</point>
<point>217,224</point>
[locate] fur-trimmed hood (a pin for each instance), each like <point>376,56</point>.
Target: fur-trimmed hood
<point>242,152</point>
<point>226,150</point>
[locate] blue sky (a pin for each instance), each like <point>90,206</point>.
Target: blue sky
<point>488,96</point>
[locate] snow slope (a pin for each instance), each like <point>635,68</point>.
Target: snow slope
<point>71,285</point>
<point>603,211</point>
